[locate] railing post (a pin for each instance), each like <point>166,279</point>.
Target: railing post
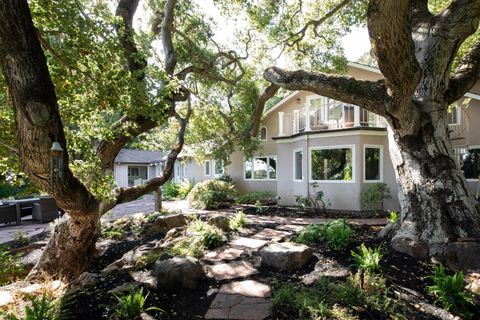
<point>356,116</point>
<point>307,117</point>
<point>280,123</point>
<point>296,125</point>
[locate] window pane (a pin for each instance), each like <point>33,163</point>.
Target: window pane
<point>332,164</point>
<point>218,167</point>
<point>471,164</point>
<point>260,168</point>
<point>272,170</point>
<point>207,168</point>
<point>298,165</point>
<point>452,115</point>
<point>248,168</point>
<point>372,164</point>
<point>334,110</point>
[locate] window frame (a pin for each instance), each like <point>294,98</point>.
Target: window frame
<point>343,146</point>
<point>458,114</point>
<point>260,133</point>
<point>474,147</point>
<point>252,159</point>
<point>209,168</point>
<point>373,146</point>
<point>295,164</point>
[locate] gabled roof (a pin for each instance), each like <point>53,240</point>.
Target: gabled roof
<point>138,156</point>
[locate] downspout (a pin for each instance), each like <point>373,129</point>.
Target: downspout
<point>307,179</point>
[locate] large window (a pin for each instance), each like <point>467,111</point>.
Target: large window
<point>261,168</point>
<point>206,168</point>
<point>218,167</point>
<point>332,164</point>
<point>136,175</point>
<point>372,161</point>
<point>297,165</point>
<point>471,163</point>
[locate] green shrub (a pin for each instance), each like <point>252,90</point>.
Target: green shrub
<point>211,194</point>
<point>190,246</point>
<point>312,233</point>
<point>303,202</point>
<point>367,259</point>
<point>373,198</point>
<point>130,306</point>
<point>184,188</point>
<point>337,234</point>
<point>21,237</point>
<point>254,197</point>
<point>152,217</point>
<point>44,308</point>
<point>170,189</point>
<point>449,291</point>
<point>10,268</point>
<point>210,236</point>
<point>237,222</point>
<point>393,216</point>
<point>226,178</point>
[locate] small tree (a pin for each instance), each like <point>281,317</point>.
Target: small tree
<point>373,198</point>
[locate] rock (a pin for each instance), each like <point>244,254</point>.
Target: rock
<point>87,280</point>
<point>414,248</point>
<point>473,282</point>
<point>126,287</point>
<point>130,259</point>
<point>185,272</point>
<point>164,223</point>
<point>463,256</point>
<point>30,259</point>
<point>5,298</point>
<point>174,233</point>
<point>285,256</point>
<point>144,278</point>
<point>231,270</point>
<point>220,222</point>
<point>33,288</point>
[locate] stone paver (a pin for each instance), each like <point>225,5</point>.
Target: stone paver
<point>243,300</point>
<point>272,234</point>
<point>27,228</point>
<point>222,254</point>
<point>291,227</point>
<point>248,242</point>
<point>230,270</point>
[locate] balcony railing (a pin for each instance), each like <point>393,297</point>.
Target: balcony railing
<point>321,118</point>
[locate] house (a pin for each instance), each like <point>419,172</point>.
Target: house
<point>133,167</point>
<point>311,143</point>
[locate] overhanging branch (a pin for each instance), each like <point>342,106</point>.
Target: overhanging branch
<point>267,94</point>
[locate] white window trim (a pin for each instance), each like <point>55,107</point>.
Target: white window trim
<point>260,133</point>
<point>469,148</point>
<point>205,168</point>
<point>214,167</point>
<point>458,111</point>
<point>373,146</point>
<point>354,167</point>
<point>137,166</point>
<point>253,168</point>
<point>294,164</point>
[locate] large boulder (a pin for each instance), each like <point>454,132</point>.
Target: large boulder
<point>185,272</point>
<point>164,223</point>
<point>463,255</point>
<point>221,222</point>
<point>414,248</point>
<point>285,256</point>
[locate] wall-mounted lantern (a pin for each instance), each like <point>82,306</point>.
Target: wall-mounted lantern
<point>56,163</point>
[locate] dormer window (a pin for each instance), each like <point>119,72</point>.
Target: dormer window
<point>262,136</point>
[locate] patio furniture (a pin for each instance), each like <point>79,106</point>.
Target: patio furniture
<point>8,214</point>
<point>45,210</point>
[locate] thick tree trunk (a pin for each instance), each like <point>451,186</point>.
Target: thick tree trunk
<point>70,248</point>
<point>436,206</point>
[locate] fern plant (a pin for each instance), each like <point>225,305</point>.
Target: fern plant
<point>44,308</point>
<point>393,216</point>
<point>130,306</point>
<point>449,291</point>
<point>237,222</point>
<point>368,259</point>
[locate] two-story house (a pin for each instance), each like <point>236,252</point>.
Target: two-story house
<point>311,143</point>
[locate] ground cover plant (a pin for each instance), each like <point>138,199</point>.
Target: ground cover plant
<point>449,291</point>
<point>45,307</point>
<point>336,234</point>
<point>237,222</point>
<point>367,259</point>
<point>130,306</point>
<point>264,197</point>
<point>10,268</point>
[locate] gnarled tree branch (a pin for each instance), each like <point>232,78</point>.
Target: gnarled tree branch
<point>166,35</point>
<point>267,94</point>
<point>465,76</point>
<point>366,94</point>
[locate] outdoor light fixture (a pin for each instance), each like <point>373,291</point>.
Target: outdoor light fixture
<point>299,100</point>
<point>56,163</point>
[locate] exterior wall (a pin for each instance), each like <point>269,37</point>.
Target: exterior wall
<point>341,195</point>
<point>120,173</point>
<point>194,171</point>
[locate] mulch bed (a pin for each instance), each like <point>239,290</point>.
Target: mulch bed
<point>399,270</point>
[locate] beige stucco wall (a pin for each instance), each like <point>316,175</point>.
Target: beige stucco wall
<point>120,175</point>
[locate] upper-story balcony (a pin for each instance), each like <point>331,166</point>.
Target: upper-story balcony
<point>320,113</point>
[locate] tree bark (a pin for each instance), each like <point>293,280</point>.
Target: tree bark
<point>70,248</point>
